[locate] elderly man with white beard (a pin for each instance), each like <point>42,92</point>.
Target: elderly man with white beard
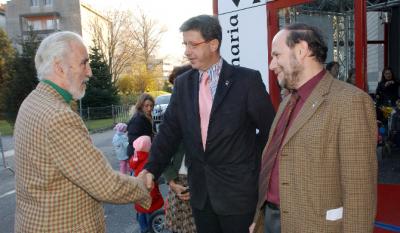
<point>61,177</point>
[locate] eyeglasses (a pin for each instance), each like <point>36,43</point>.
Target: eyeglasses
<point>193,45</point>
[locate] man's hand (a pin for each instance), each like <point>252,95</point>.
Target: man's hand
<point>147,178</point>
<point>179,190</point>
<point>251,228</point>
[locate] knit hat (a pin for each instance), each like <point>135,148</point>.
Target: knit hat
<point>120,127</point>
<point>142,143</point>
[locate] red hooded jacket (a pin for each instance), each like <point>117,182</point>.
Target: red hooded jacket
<point>137,162</point>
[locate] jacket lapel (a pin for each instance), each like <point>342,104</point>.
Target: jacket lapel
<point>194,84</point>
<point>224,84</point>
<point>317,97</point>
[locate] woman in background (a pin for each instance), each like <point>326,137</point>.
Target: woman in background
<point>141,122</point>
<point>388,89</point>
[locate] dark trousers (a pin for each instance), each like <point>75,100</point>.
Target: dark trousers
<point>207,221</point>
<point>272,219</point>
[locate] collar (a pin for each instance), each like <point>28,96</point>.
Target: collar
<point>213,71</point>
<point>305,90</point>
<point>64,93</point>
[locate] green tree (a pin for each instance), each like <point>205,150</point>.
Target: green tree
<point>24,79</point>
<point>100,91</point>
<point>7,59</point>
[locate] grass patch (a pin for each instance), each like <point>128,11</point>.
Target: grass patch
<point>93,125</point>
<point>5,128</point>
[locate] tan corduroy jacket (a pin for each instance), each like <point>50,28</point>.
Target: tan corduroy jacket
<point>328,161</point>
<point>61,177</point>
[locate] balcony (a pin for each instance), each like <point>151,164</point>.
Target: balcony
<point>40,23</point>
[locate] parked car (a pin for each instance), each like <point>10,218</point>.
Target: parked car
<point>160,105</point>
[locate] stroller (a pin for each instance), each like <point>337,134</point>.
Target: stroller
<point>157,221</point>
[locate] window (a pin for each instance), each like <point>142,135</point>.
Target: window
<point>34,2</point>
<point>50,24</point>
<point>38,24</point>
<point>48,2</point>
<point>35,25</point>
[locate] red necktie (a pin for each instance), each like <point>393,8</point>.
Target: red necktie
<point>271,152</point>
<point>205,104</point>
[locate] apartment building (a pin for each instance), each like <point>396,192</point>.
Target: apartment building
<point>47,16</point>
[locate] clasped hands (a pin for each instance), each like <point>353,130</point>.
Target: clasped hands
<point>147,178</point>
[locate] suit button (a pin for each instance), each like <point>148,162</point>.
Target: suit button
<point>285,211</point>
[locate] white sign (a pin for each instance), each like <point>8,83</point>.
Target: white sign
<point>225,6</point>
<point>244,34</point>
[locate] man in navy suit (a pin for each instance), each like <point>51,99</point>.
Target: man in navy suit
<point>223,167</point>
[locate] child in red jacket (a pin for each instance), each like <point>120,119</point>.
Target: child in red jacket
<point>139,159</point>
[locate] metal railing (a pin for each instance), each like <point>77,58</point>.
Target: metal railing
<point>5,165</point>
<point>118,113</point>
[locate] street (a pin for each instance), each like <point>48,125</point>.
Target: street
<point>119,218</point>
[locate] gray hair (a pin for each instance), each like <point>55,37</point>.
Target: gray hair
<point>207,25</point>
<point>55,46</point>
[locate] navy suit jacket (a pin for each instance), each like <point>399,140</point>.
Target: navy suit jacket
<point>227,171</point>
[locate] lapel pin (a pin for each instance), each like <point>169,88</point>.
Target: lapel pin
<point>226,83</point>
<point>313,105</point>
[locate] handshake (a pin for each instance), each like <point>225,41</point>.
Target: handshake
<point>147,178</point>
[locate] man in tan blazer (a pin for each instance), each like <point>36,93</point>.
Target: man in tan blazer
<point>61,177</point>
<point>322,177</point>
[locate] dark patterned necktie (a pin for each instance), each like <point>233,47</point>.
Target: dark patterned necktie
<point>271,152</point>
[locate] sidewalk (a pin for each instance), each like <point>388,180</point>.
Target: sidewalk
<point>7,142</point>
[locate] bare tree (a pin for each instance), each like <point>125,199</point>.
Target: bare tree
<point>147,35</point>
<point>124,40</point>
<point>113,36</point>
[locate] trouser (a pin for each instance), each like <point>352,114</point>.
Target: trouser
<point>207,221</point>
<point>124,166</point>
<point>144,222</point>
<point>272,218</point>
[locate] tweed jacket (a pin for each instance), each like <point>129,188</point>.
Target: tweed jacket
<point>328,161</point>
<point>61,177</point>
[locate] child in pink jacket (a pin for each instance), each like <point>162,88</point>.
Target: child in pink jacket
<point>142,147</point>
